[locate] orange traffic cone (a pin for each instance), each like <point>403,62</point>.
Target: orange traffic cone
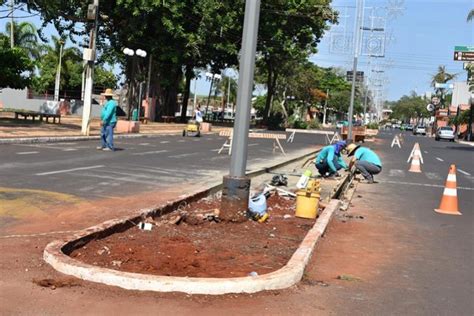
<point>415,163</point>
<point>449,201</point>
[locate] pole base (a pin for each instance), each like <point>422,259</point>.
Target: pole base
<point>235,199</point>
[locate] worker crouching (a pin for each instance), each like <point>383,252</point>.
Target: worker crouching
<point>329,160</point>
<point>366,161</point>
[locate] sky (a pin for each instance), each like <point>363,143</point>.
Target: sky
<point>421,36</point>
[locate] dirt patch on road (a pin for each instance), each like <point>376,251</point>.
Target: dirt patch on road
<point>203,248</point>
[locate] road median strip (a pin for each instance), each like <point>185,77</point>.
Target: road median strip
<point>56,252</point>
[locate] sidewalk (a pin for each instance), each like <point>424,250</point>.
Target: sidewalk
<point>466,143</point>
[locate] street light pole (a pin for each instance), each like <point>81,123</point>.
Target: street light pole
<point>12,34</point>
<point>360,8</point>
<point>86,111</point>
<point>236,185</point>
<point>58,73</point>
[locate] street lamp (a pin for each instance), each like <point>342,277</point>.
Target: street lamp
<point>131,53</point>
<point>211,77</point>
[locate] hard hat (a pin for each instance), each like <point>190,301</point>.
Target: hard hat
<point>351,149</point>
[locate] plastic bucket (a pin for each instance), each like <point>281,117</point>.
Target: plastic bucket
<point>307,204</point>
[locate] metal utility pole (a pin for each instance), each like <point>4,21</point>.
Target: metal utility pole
<point>58,73</point>
<point>89,57</point>
<point>235,194</point>
<point>148,80</point>
<point>325,106</point>
<point>12,37</point>
<point>359,12</point>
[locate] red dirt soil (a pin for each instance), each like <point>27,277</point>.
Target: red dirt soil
<point>206,249</point>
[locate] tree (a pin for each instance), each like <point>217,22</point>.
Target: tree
<point>24,37</point>
<point>408,107</point>
<point>16,67</point>
<point>470,16</point>
<point>441,76</point>
<point>71,70</point>
<point>289,31</point>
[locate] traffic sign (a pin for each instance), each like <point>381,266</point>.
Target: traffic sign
<point>464,56</point>
<point>464,49</point>
<point>430,107</point>
<point>444,85</point>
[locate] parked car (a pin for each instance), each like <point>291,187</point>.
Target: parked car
<point>409,127</point>
<point>419,129</point>
<point>445,132</point>
<point>396,125</point>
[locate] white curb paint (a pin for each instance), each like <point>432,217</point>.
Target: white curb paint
<point>285,277</point>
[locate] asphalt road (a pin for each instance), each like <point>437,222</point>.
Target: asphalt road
<point>140,164</point>
<point>431,255</point>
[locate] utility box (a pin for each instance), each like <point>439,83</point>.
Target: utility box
<point>88,54</point>
<point>91,12</point>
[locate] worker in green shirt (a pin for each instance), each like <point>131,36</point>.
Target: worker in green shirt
<point>108,119</point>
<point>366,161</point>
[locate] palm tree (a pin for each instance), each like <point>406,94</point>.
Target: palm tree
<point>470,16</point>
<point>25,37</point>
<point>442,76</point>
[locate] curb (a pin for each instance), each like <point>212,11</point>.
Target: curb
<point>55,252</point>
<point>285,277</point>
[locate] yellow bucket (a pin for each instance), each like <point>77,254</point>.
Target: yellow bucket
<point>307,202</point>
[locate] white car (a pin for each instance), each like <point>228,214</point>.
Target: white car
<point>445,132</point>
<point>420,129</point>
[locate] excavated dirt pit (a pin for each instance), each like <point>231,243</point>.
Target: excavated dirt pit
<point>194,246</point>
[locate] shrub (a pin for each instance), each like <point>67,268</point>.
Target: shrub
<point>314,124</point>
<point>275,121</point>
<point>372,125</point>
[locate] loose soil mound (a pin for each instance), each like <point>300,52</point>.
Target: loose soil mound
<point>204,248</point>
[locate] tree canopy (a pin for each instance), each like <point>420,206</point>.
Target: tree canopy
<point>15,65</point>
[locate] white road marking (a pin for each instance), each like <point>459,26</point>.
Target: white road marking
<point>27,152</point>
<point>150,152</point>
<point>464,172</point>
<point>423,184</point>
<point>215,149</point>
<point>253,145</point>
<point>396,173</point>
<point>182,155</point>
<point>68,170</point>
<point>425,151</point>
<point>69,149</point>
<point>144,144</point>
<point>164,142</point>
<point>432,176</point>
<point>181,141</point>
<point>439,159</point>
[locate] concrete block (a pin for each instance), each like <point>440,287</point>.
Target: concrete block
<point>127,127</point>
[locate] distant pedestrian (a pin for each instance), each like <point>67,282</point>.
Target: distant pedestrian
<point>329,160</point>
<point>108,119</point>
<point>198,114</point>
<point>366,161</point>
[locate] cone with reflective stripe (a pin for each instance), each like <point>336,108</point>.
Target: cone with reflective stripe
<point>415,163</point>
<point>449,201</point>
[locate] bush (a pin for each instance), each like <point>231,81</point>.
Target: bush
<point>314,124</point>
<point>372,126</point>
<point>295,122</point>
<point>275,121</point>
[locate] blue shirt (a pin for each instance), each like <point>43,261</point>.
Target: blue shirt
<point>328,153</point>
<point>363,153</point>
<point>108,114</point>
